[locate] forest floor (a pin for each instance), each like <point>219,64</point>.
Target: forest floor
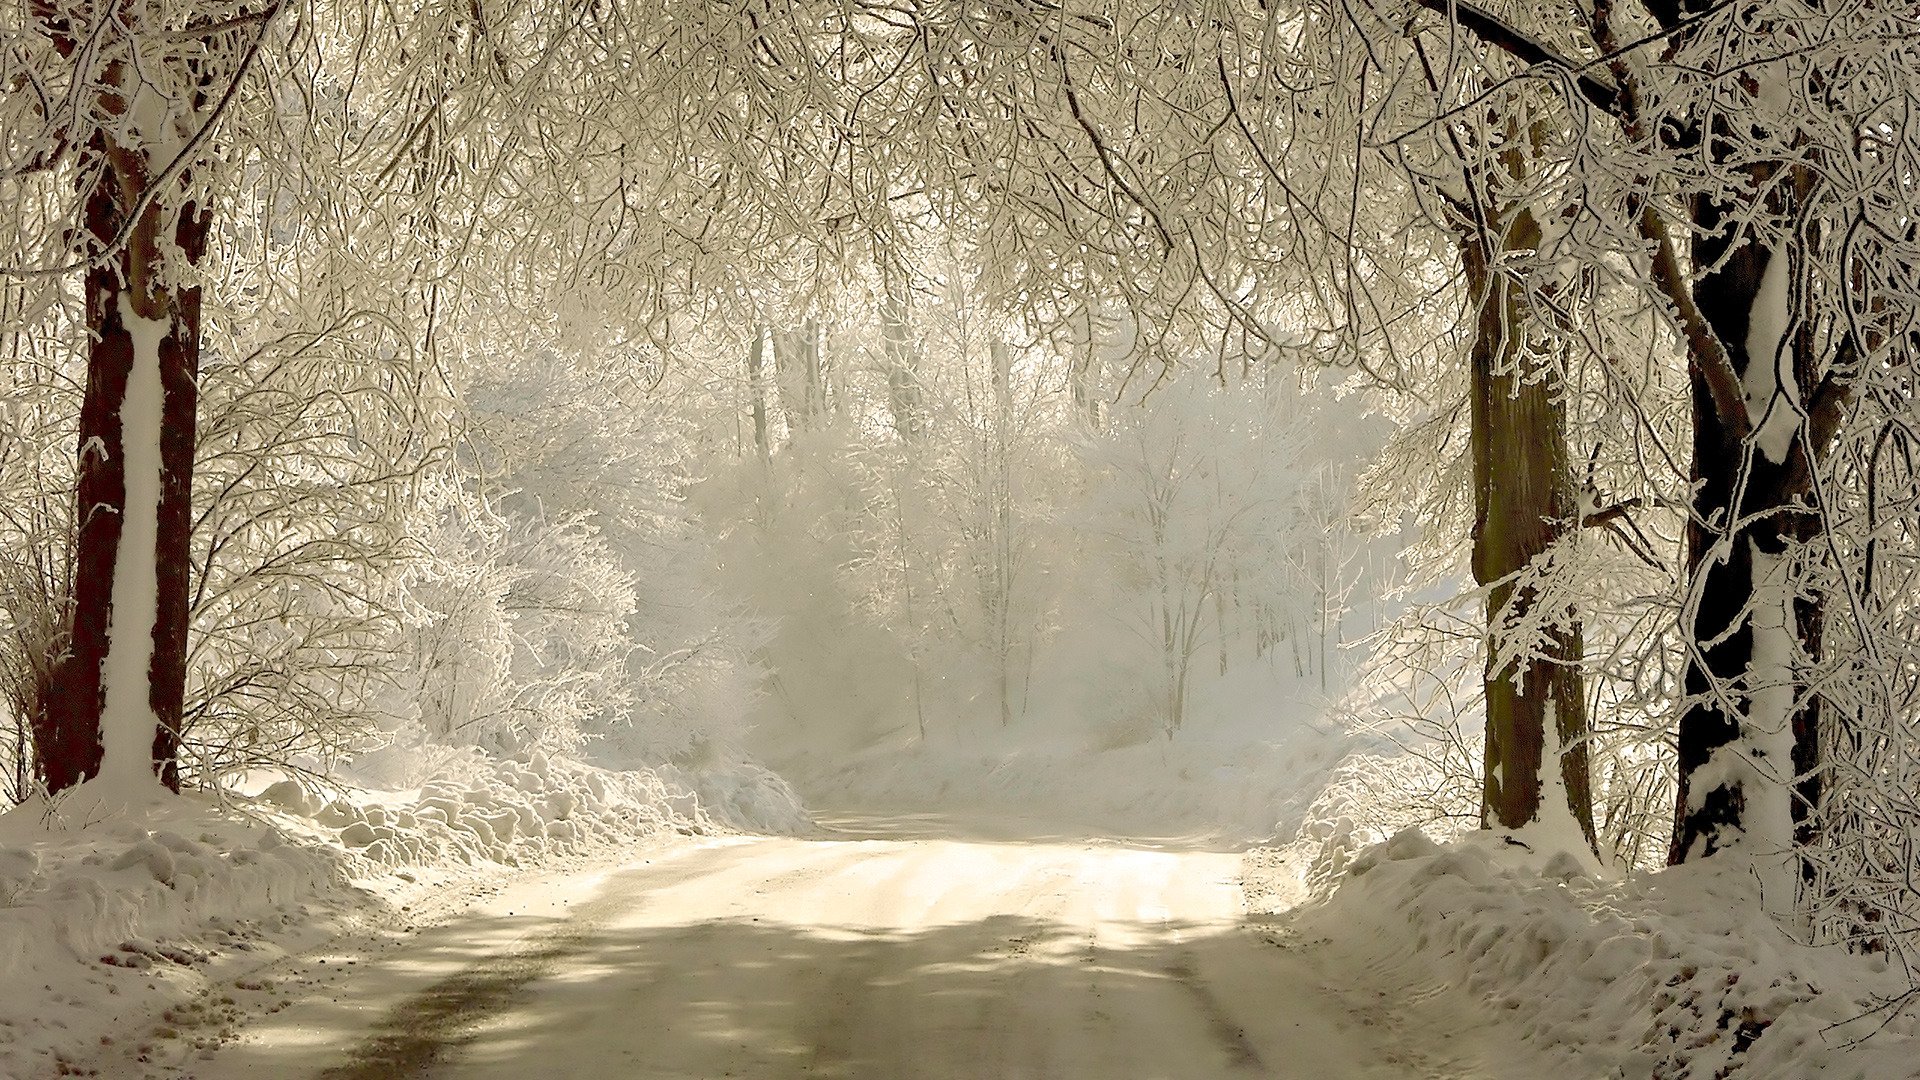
<point>916,946</point>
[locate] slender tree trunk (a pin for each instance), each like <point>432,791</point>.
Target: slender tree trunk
<point>903,358</point>
<point>1524,501</point>
<point>1220,624</point>
<point>757,387</point>
<point>1326,602</point>
<point>913,622</point>
<point>796,358</point>
<point>1083,374</point>
<point>816,376</point>
<point>1001,356</point>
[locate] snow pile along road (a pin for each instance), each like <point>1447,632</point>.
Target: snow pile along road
<point>1677,974</point>
<point>112,914</point>
<point>531,808</point>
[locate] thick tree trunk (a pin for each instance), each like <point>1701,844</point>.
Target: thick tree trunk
<point>1749,736</point>
<point>1748,739</point>
<point>115,702</point>
<point>1524,502</point>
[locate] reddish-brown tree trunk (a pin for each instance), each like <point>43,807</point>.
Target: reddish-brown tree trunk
<point>137,276</point>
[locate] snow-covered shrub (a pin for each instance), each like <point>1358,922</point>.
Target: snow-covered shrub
<point>309,462</point>
<point>459,685</point>
<point>566,598</point>
<point>1370,797</point>
<point>1421,687</point>
<point>39,406</point>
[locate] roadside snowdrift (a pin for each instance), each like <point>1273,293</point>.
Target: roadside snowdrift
<point>1674,975</point>
<point>109,918</point>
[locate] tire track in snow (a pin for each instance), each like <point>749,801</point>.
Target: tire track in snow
<point>423,1030</point>
<point>1231,1038</point>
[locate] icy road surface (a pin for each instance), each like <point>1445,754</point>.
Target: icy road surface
<point>881,950</point>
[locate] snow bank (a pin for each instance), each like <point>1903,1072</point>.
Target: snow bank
<point>745,796</point>
<point>512,812</point>
<point>106,912</point>
<point>1676,975</point>
<point>109,914</point>
<point>1370,797</point>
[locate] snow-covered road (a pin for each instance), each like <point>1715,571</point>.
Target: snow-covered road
<point>885,950</point>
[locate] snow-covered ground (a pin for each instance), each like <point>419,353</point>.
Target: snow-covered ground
<point>1673,975</point>
<point>514,917</point>
<point>154,923</point>
<point>937,948</point>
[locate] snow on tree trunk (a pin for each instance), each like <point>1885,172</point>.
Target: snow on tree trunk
<point>115,699</point>
<point>903,356</point>
<point>1524,501</point>
<point>128,719</point>
<point>757,386</point>
<point>1749,738</point>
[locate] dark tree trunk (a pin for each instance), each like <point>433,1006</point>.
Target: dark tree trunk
<point>1524,502</point>
<point>137,280</point>
<point>1749,695</point>
<point>1773,516</point>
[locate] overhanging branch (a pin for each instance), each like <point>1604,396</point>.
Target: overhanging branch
<point>1525,48</point>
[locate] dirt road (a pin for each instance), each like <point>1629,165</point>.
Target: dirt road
<point>879,950</point>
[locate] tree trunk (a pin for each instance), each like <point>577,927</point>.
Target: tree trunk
<point>1749,734</point>
<point>903,357</point>
<point>1001,357</point>
<point>757,387</point>
<point>1748,740</point>
<point>116,697</point>
<point>1524,501</point>
<point>796,358</point>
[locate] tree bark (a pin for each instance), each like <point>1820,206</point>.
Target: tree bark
<point>1749,735</point>
<point>1524,503</point>
<point>134,526</point>
<point>1728,732</point>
